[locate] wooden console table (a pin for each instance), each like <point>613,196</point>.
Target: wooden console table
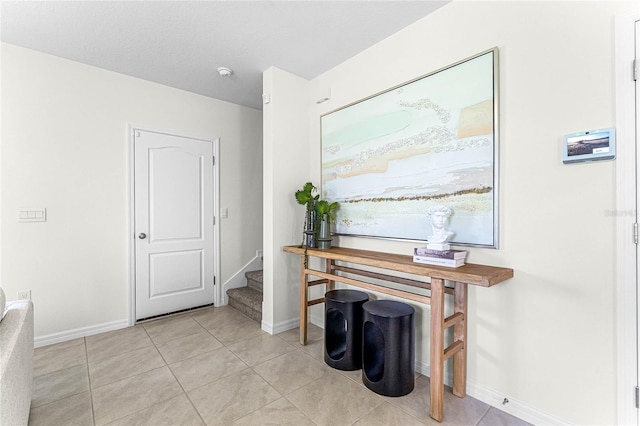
<point>480,275</point>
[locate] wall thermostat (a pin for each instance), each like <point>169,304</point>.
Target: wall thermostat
<point>592,145</point>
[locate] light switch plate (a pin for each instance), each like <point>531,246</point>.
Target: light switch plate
<point>35,214</point>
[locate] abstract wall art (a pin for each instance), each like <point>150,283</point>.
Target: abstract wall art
<point>434,140</point>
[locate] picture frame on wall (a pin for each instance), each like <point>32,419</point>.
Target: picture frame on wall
<point>433,140</point>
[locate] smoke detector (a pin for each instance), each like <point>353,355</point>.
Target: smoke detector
<point>225,72</point>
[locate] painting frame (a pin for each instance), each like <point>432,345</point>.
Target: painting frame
<point>443,127</point>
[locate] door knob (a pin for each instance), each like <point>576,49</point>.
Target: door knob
<point>142,235</point>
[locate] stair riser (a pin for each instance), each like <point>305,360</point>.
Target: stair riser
<point>254,279</point>
<point>254,284</point>
<point>247,310</point>
<point>256,306</point>
<point>248,300</point>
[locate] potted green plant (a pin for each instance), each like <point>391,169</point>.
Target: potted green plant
<point>306,197</point>
<point>324,212</point>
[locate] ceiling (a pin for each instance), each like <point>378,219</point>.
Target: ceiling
<point>182,43</point>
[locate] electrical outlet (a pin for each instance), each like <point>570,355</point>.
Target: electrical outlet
<point>24,294</point>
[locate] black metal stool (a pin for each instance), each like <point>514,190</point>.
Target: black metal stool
<point>388,353</point>
<point>343,328</point>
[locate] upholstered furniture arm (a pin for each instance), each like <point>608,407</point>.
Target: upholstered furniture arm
<point>16,363</point>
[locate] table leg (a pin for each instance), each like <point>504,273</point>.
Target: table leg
<point>460,334</point>
<point>331,285</point>
<point>436,407</point>
<point>304,309</point>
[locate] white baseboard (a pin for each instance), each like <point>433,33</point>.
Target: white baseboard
<point>63,336</point>
<point>281,326</point>
<point>238,279</point>
<point>317,320</point>
<point>482,393</point>
<point>514,407</point>
<point>497,400</point>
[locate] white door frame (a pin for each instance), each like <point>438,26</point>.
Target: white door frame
<point>625,216</point>
<point>131,217</point>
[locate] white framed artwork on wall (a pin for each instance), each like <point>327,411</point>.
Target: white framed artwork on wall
<point>433,140</point>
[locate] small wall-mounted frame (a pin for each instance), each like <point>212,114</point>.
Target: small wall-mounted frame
<point>589,146</point>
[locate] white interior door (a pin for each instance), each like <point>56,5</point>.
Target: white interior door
<point>627,165</point>
<point>637,127</point>
<point>174,223</point>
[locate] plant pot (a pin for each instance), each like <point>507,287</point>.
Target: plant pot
<point>324,234</point>
<point>310,229</point>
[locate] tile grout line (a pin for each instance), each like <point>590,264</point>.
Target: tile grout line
<point>155,345</point>
<point>241,360</point>
<point>195,356</point>
<point>294,405</point>
<point>184,392</point>
<point>282,395</point>
<point>483,416</point>
<point>359,383</point>
<point>142,409</point>
<point>86,354</point>
<point>62,397</point>
<point>280,338</point>
<point>56,351</point>
<point>125,378</point>
<point>123,330</point>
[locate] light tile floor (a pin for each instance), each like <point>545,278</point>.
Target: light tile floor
<point>217,367</point>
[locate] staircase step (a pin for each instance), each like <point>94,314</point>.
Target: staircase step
<point>254,279</point>
<point>248,301</point>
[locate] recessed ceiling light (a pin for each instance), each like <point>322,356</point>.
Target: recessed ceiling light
<point>225,72</point>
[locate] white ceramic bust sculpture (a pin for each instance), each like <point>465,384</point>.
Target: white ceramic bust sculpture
<point>439,215</point>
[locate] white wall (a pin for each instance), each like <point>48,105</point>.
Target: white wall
<point>545,339</point>
<point>286,169</point>
<point>65,147</point>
